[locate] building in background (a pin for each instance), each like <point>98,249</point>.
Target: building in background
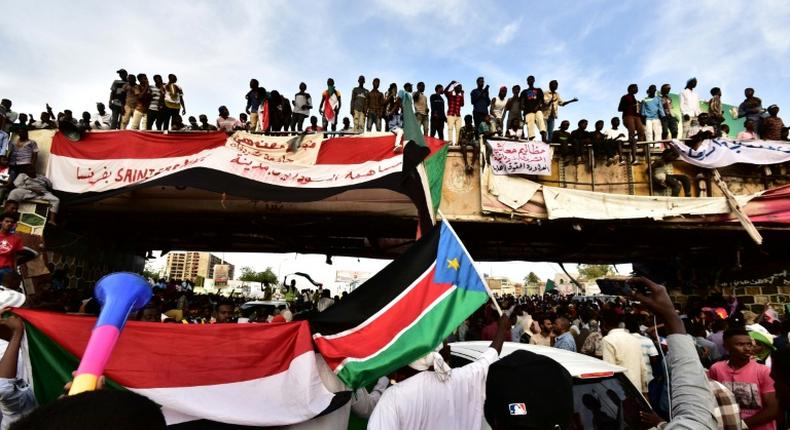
<point>347,281</point>
<point>190,265</point>
<point>501,285</point>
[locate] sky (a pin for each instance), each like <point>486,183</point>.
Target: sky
<point>66,53</point>
<point>593,48</point>
<point>315,265</point>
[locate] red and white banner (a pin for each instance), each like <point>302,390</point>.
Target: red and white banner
<point>108,161</point>
<point>246,374</point>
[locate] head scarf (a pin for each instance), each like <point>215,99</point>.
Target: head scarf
<point>765,341</point>
<point>435,360</point>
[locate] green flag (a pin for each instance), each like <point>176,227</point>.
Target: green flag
<point>411,128</point>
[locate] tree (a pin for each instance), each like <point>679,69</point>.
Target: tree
<point>267,277</point>
<point>590,272</point>
<point>150,272</point>
<point>531,279</point>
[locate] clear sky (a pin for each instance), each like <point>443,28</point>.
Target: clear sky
<point>66,53</point>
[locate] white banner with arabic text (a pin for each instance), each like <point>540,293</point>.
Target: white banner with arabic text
<point>715,153</point>
<point>520,158</point>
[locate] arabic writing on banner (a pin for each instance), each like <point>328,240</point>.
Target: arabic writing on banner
<point>716,153</point>
<point>299,150</point>
<point>281,161</point>
<point>520,158</point>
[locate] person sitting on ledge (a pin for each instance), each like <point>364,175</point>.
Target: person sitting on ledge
<point>29,186</point>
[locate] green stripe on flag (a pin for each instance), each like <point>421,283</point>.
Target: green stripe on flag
<point>427,333</point>
<point>51,366</point>
<point>434,166</point>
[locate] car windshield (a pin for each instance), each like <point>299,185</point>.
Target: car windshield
<point>607,404</point>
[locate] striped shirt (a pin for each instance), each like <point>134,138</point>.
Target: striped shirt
<point>454,103</point>
<point>156,97</point>
<point>648,350</point>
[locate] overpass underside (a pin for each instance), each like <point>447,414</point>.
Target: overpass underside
<point>382,224</point>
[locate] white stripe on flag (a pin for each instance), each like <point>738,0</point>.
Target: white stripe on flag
<point>288,397</point>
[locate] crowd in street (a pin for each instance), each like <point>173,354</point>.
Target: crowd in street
<point>744,355</point>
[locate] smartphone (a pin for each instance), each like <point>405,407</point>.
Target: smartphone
<point>620,286</point>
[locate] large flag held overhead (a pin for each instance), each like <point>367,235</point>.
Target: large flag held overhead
<point>246,374</point>
<point>403,312</point>
<point>267,168</point>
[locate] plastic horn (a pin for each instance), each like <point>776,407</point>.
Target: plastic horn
<point>119,294</point>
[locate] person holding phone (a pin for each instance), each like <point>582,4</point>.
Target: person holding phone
<point>692,400</point>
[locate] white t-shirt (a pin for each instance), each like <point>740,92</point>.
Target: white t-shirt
<point>498,107</point>
<point>104,121</point>
<point>689,103</point>
<point>425,402</point>
<point>615,134</point>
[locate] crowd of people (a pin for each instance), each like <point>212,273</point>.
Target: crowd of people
<point>744,355</point>
<point>137,103</point>
<point>733,344</point>
<point>525,113</point>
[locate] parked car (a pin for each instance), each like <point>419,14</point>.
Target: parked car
<point>603,397</point>
<point>258,310</point>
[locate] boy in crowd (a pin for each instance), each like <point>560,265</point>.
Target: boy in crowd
<point>750,382</point>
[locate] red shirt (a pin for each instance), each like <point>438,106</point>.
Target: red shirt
<point>10,244</point>
<point>454,103</point>
<point>748,384</point>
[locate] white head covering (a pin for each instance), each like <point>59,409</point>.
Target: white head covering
<point>435,360</point>
<point>11,298</point>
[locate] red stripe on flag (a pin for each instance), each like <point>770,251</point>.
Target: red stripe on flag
<point>135,144</point>
<point>385,327</point>
<point>354,150</point>
<point>156,355</point>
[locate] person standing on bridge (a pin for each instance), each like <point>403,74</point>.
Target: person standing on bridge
<point>653,112</point>
<point>438,116</point>
<point>131,91</point>
<point>480,101</point>
<point>421,107</point>
<point>254,99</point>
<point>632,120</point>
<point>454,93</point>
<point>551,106</point>
<point>174,100</point>
<point>302,104</point>
<point>374,107</point>
<point>531,101</point>
<point>117,98</point>
<point>689,106</point>
<point>359,101</point>
<point>330,105</point>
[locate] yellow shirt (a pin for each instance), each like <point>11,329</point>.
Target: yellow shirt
<point>624,350</point>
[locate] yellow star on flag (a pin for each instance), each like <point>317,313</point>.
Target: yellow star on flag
<point>453,264</point>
